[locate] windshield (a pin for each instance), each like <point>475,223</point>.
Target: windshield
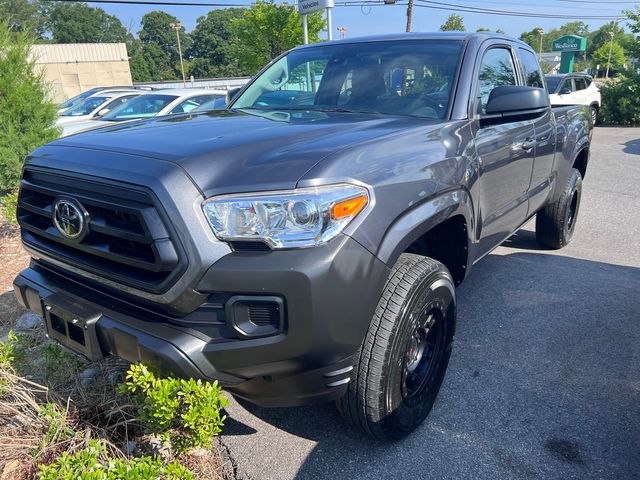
<point>144,106</point>
<point>552,83</point>
<point>412,78</point>
<point>77,99</point>
<point>85,107</point>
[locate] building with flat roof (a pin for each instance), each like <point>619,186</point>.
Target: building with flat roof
<point>73,68</point>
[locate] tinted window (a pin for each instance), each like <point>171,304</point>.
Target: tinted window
<point>532,73</point>
<point>552,83</point>
<point>412,78</point>
<point>496,70</point>
<point>78,98</point>
<point>191,104</point>
<point>144,106</point>
<point>86,107</point>
<point>218,103</point>
<point>567,87</point>
<point>581,83</point>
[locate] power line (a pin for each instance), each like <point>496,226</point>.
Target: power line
<point>463,8</point>
<point>422,3</point>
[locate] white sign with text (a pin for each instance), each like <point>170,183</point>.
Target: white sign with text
<point>309,6</point>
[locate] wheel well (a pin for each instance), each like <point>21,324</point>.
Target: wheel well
<point>447,243</point>
<point>580,163</point>
<point>595,105</point>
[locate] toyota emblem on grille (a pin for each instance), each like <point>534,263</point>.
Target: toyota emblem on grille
<point>68,218</point>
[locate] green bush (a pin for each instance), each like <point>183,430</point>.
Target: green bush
<point>8,205</point>
<point>27,117</point>
<point>185,413</point>
<point>621,101</point>
<point>93,463</point>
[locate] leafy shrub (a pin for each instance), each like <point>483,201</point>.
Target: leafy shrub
<point>58,428</point>
<point>8,205</point>
<point>27,117</point>
<point>185,413</point>
<point>93,463</point>
<point>621,101</point>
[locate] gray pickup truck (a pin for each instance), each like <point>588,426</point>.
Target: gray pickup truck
<point>304,244</point>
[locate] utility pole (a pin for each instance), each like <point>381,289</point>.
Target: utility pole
<point>177,26</point>
<point>606,75</point>
<point>305,29</point>
<point>329,25</point>
<point>409,15</point>
<point>541,33</point>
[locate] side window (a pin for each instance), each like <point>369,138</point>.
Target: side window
<point>190,104</point>
<point>532,73</point>
<point>581,84</point>
<point>117,102</point>
<point>496,70</point>
<point>567,87</point>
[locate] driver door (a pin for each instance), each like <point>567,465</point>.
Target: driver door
<point>505,153</point>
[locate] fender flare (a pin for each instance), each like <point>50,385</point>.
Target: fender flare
<point>414,223</point>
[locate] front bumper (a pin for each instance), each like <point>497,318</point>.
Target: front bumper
<point>328,294</point>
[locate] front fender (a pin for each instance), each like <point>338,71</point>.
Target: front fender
<point>417,221</point>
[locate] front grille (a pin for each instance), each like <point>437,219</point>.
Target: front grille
<point>126,239</point>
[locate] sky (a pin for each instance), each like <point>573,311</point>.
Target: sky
<point>365,20</point>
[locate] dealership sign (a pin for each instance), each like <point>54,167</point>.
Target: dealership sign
<point>570,43</point>
<point>309,6</point>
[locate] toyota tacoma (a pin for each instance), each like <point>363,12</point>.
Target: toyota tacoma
<point>304,244</point>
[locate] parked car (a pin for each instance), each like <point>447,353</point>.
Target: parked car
<point>73,101</point>
<point>308,251</point>
<point>155,104</point>
<point>575,89</point>
<point>93,107</point>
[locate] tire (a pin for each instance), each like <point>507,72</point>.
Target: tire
<point>556,222</point>
<point>594,114</point>
<point>402,361</point>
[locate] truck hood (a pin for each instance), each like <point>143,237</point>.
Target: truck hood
<point>232,152</point>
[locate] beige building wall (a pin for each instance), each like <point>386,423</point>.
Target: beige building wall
<point>75,67</point>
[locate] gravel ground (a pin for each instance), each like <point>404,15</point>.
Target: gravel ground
<point>544,381</point>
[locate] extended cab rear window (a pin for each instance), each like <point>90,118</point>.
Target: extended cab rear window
<point>410,78</point>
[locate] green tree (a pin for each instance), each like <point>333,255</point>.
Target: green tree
<point>27,117</point>
<point>485,29</point>
<point>601,57</point>
<point>454,23</point>
<point>213,40</point>
<point>633,22</point>
<point>80,23</point>
<point>160,45</point>
<point>23,16</point>
<point>267,30</point>
<point>601,36</point>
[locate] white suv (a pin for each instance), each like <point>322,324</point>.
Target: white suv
<point>574,89</point>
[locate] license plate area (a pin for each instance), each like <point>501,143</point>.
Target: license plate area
<point>72,325</point>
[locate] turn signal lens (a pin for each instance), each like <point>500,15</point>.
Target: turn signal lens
<point>349,208</point>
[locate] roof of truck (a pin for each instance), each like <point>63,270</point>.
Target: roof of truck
<point>418,36</point>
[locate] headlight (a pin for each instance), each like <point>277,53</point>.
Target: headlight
<point>304,217</point>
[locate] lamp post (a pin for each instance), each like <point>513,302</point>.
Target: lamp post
<point>342,31</point>
<point>541,33</point>
<point>611,35</point>
<point>177,26</point>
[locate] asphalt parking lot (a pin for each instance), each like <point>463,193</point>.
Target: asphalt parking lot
<point>544,381</point>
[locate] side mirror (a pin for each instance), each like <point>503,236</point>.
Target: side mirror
<point>515,101</point>
<point>232,94</point>
<point>102,112</point>
<point>565,91</point>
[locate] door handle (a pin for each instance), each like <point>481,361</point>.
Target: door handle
<point>528,144</point>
